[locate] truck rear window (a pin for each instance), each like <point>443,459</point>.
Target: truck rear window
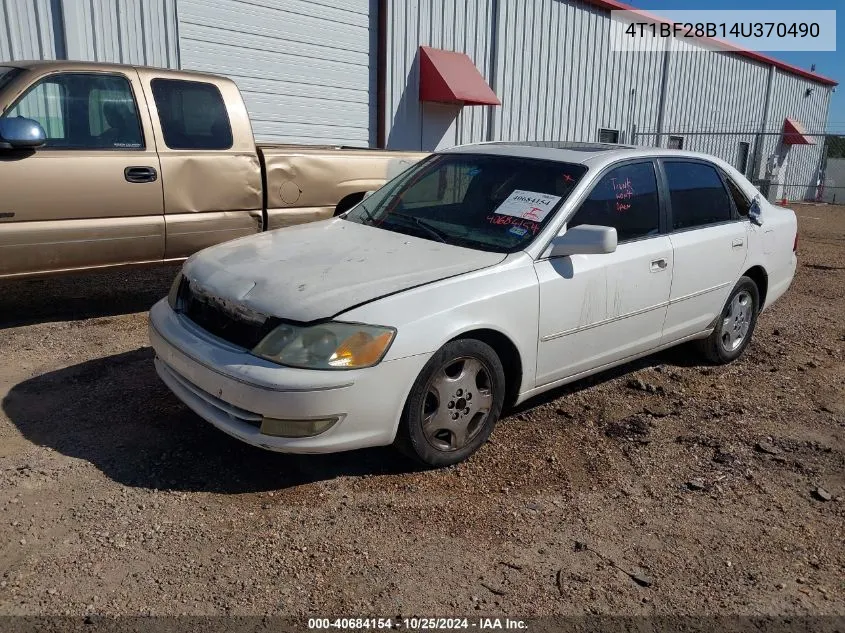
<point>192,114</point>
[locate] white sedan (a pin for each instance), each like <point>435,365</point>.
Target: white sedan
<point>480,277</point>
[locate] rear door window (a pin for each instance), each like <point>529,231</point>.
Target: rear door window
<point>192,114</point>
<point>626,199</point>
<point>741,201</point>
<point>697,193</point>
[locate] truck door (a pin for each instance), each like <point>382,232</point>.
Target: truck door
<point>91,195</point>
<point>209,161</point>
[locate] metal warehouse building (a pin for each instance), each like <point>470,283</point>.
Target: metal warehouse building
<point>384,73</point>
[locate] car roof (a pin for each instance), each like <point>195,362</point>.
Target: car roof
<point>589,154</point>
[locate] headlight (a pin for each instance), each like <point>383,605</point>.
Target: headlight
<point>173,295</point>
<point>330,345</point>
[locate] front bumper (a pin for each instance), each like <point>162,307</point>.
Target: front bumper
<point>234,390</point>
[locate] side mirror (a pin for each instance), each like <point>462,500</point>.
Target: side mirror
<point>755,213</point>
<point>21,133</point>
<point>367,194</point>
<point>585,239</point>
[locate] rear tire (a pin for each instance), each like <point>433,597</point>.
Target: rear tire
<point>454,404</point>
<point>735,325</point>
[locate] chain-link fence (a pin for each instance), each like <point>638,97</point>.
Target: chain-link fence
<point>790,167</point>
<point>833,184</point>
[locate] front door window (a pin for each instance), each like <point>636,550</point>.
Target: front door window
<point>83,111</point>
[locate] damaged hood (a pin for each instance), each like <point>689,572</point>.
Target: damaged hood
<point>317,270</point>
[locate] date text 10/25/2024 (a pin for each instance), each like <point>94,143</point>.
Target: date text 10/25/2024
<point>418,624</point>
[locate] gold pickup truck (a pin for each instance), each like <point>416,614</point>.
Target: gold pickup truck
<point>107,165</point>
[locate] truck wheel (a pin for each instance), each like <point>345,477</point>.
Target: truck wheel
<point>453,405</point>
<point>735,325</point>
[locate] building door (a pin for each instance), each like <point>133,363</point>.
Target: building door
<point>92,195</point>
<point>307,70</point>
<point>439,129</point>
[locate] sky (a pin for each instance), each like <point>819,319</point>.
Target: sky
<point>829,64</point>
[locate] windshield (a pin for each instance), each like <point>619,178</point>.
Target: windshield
<point>490,203</point>
<point>7,73</point>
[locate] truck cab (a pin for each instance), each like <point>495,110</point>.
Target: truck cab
<point>142,165</point>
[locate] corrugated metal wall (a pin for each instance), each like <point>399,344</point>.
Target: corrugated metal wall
<point>306,68</point>
<point>709,94</point>
<point>461,26</point>
<point>790,98</point>
<point>307,71</point>
<point>834,185</point>
<point>558,79</point>
<point>550,62</point>
<point>122,31</point>
<point>27,30</point>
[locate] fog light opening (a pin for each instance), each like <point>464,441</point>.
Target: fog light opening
<point>297,428</point>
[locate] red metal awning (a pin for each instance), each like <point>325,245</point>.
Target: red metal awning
<point>450,77</point>
<point>795,134</point>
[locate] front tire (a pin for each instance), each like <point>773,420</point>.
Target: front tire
<point>735,325</point>
<point>454,404</point>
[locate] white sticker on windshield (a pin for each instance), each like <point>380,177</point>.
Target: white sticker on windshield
<point>529,205</point>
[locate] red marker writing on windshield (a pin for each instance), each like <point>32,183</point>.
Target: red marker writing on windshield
<point>531,214</point>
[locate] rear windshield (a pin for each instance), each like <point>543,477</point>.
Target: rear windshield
<point>491,203</point>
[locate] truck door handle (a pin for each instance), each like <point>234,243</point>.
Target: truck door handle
<point>738,242</point>
<point>658,264</point>
<point>140,174</point>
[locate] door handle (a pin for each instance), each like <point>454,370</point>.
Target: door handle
<point>140,174</point>
<point>738,242</point>
<point>658,264</point>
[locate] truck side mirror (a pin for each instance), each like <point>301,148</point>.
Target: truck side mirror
<point>21,133</point>
<point>584,239</point>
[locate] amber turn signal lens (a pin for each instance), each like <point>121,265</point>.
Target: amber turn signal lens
<point>361,350</point>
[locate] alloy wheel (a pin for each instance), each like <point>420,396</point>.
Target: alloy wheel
<point>457,403</point>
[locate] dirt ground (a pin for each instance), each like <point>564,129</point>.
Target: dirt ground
<point>663,487</point>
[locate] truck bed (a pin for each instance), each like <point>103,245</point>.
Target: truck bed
<point>307,182</point>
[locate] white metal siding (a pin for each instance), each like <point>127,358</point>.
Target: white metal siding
<point>122,31</point>
<point>550,63</point>
<point>834,184</point>
<point>804,162</point>
<point>462,26</point>
<point>306,68</point>
<point>710,95</point>
<point>26,30</point>
<point>559,80</point>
